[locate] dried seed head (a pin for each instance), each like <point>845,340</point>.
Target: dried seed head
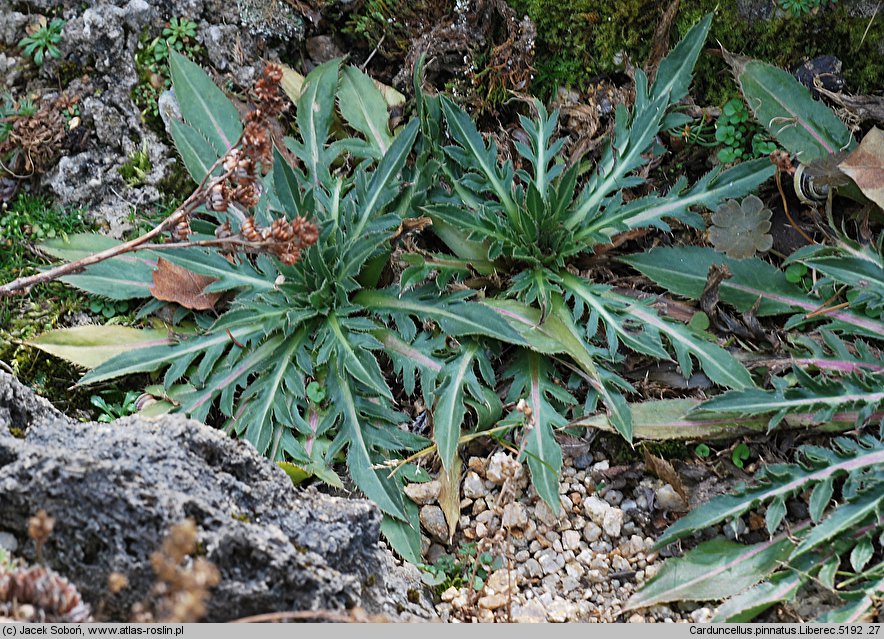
<point>182,230</point>
<point>218,198</point>
<point>248,230</point>
<point>40,526</point>
<point>281,230</point>
<point>117,582</point>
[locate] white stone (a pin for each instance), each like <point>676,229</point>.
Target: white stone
<point>591,532</point>
<point>473,486</point>
<point>612,522</point>
<point>531,612</point>
<point>571,540</point>
<point>545,514</point>
<point>548,562</point>
<point>574,569</point>
<point>515,515</point>
<point>532,566</point>
<point>492,602</point>
<point>423,493</point>
<point>449,595</point>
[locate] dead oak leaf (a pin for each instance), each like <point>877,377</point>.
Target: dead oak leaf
<point>865,166</point>
<point>173,283</point>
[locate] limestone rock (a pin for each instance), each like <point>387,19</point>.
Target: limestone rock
<point>115,490</point>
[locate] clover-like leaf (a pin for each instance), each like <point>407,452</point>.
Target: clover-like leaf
<point>740,229</point>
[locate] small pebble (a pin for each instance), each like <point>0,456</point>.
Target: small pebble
<point>515,515</point>
<point>423,493</point>
<point>449,595</point>
<point>433,521</point>
<point>591,532</point>
<point>492,602</point>
<point>545,514</point>
<point>571,540</point>
<point>473,486</point>
<point>667,499</point>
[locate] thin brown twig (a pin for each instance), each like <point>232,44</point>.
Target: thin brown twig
<point>823,310</point>
<point>22,285</point>
<point>786,209</point>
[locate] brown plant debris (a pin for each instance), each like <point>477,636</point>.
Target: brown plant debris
<point>182,587</point>
<point>173,283</point>
<point>865,166</point>
<point>42,595</point>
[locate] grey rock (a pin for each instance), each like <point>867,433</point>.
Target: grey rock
<point>667,499</point>
<point>532,566</point>
<point>115,490</point>
<point>271,19</point>
<point>531,612</point>
<point>322,49</point>
<point>102,39</point>
<point>433,520</point>
<point>8,542</point>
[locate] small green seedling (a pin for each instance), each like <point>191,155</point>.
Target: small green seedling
<point>703,451</point>
<point>42,41</point>
<point>740,454</point>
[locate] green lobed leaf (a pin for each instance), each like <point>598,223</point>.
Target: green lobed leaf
<point>124,277</point>
<point>843,518</point>
<point>674,71</point>
<point>315,110</point>
<point>203,105</point>
<point>449,411</point>
<point>713,570</point>
<point>745,606</point>
<point>805,127</point>
<point>196,152</point>
<point>542,450</point>
<point>791,479</point>
<point>684,271</point>
<point>404,536</point>
<point>456,317</point>
<point>370,481</point>
<point>364,108</point>
<point>155,357</point>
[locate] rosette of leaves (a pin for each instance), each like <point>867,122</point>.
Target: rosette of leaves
<point>323,324</point>
<point>836,548</point>
<point>740,229</point>
<point>528,226</point>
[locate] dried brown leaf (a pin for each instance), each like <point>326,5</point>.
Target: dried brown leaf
<point>665,471</point>
<point>172,283</point>
<point>865,166</point>
<point>449,496</point>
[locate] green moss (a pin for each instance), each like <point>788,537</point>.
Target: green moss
<point>579,40</point>
<point>177,185</point>
<point>136,167</point>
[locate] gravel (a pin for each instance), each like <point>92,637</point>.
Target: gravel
<point>580,565</point>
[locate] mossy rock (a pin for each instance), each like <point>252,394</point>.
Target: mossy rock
<point>583,39</point>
